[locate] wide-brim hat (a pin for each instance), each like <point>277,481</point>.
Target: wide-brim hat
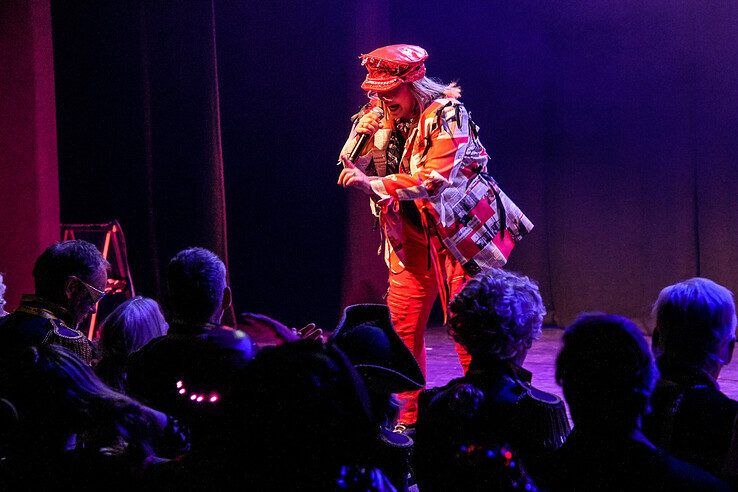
<point>366,335</point>
<point>391,66</point>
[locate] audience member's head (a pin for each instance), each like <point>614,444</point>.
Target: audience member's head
<point>128,328</point>
<point>695,325</point>
<point>304,403</point>
<point>497,314</point>
<point>196,287</point>
<point>606,371</point>
<point>72,274</point>
<point>2,297</point>
<point>131,325</point>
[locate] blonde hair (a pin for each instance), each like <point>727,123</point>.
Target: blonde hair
<point>426,90</point>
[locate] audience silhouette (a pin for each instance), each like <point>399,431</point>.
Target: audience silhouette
<point>693,340</point>
<point>128,328</point>
<point>178,401</point>
<point>496,317</point>
<point>607,373</point>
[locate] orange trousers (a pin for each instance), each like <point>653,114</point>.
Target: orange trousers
<point>413,288</point>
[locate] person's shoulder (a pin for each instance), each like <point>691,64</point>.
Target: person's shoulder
<point>545,416</point>
<point>228,333</point>
<point>443,102</point>
<point>540,404</point>
<point>500,389</point>
<point>438,393</point>
<point>25,320</point>
<point>441,105</point>
<point>680,475</point>
<point>539,396</point>
<point>701,401</point>
<point>153,345</point>
<point>442,401</point>
<point>148,356</point>
<point>620,465</point>
<point>230,339</point>
<point>21,327</point>
<point>431,396</point>
<point>443,115</point>
<point>716,397</point>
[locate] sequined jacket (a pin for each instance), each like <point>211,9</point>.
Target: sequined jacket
<point>35,322</point>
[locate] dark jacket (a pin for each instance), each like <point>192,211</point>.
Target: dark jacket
<point>601,461</point>
<point>189,360</point>
<point>37,322</point>
<point>691,418</point>
<point>493,404</point>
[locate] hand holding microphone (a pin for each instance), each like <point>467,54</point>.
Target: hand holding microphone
<point>370,122</point>
<point>365,128</point>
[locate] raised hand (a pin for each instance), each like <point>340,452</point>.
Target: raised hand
<point>353,176</point>
<point>282,331</point>
<point>310,332</point>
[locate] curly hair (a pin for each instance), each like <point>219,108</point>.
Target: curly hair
<point>497,313</point>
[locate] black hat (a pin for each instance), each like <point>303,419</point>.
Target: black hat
<point>366,335</point>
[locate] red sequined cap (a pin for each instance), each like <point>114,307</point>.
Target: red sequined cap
<point>390,66</point>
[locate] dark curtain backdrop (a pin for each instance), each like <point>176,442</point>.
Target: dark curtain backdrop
<point>283,68</point>
<point>611,124</point>
<point>139,126</point>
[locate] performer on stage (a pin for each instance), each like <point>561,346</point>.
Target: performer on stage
<point>443,218</point>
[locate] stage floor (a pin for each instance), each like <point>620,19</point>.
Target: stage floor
<point>443,364</point>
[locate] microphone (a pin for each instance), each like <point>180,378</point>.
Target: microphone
<point>363,138</point>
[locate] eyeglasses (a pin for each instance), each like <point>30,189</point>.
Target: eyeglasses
<point>95,293</point>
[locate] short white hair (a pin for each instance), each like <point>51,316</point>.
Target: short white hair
<point>693,319</point>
